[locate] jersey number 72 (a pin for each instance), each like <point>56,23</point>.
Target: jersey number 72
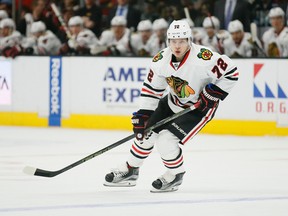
<point>220,64</point>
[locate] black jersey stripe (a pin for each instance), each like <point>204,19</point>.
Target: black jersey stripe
<point>151,96</point>
<point>232,78</point>
<point>153,89</point>
<point>231,72</point>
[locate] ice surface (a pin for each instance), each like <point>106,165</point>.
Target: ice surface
<point>225,176</point>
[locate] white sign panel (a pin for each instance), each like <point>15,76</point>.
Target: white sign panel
<point>5,82</point>
<point>282,94</point>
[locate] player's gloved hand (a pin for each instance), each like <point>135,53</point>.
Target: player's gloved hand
<point>12,51</point>
<point>209,97</point>
<point>72,43</point>
<point>139,122</point>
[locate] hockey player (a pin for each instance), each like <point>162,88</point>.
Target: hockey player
<point>194,75</point>
<point>82,40</point>
<point>275,39</point>
<point>160,29</point>
<point>115,41</point>
<point>3,14</point>
<point>211,40</point>
<point>10,39</point>
<point>240,44</point>
<point>46,41</point>
<point>142,42</point>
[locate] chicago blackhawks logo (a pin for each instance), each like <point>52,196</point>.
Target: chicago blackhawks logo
<point>205,54</point>
<point>180,87</point>
<point>158,56</point>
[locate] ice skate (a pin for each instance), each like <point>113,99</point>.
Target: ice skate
<point>167,183</point>
<point>124,176</point>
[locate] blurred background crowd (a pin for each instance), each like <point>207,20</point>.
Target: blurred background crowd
<point>237,28</point>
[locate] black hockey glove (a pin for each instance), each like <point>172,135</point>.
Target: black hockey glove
<point>209,97</point>
<point>139,122</point>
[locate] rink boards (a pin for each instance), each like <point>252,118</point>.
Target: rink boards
<point>102,92</point>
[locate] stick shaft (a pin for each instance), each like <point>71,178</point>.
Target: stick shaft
<point>61,20</point>
<point>46,173</point>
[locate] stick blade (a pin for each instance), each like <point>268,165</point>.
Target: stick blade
<point>29,170</point>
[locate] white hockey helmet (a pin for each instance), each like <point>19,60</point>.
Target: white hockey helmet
<point>276,12</point>
<point>118,21</point>
<point>38,26</point>
<point>235,26</point>
<point>75,20</point>
<point>179,29</point>
<point>3,14</point>
<point>7,22</point>
<point>160,24</point>
<point>144,25</point>
<point>211,22</point>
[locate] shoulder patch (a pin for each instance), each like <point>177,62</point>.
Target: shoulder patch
<point>205,54</point>
<point>158,56</point>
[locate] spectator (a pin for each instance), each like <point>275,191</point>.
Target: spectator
<point>115,41</point>
<point>131,14</point>
<point>25,22</point>
<point>203,11</point>
<point>170,13</point>
<point>92,16</point>
<point>275,39</point>
<point>239,45</point>
<point>160,27</point>
<point>190,5</point>
<point>260,10</point>
<point>228,10</point>
<point>39,13</point>
<point>142,42</point>
<point>24,4</point>
<point>10,39</point>
<point>82,39</point>
<point>70,5</point>
<point>150,12</point>
<point>7,6</point>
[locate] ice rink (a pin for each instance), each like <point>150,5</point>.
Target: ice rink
<point>225,176</point>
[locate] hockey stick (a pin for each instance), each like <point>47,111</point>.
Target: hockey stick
<point>255,40</point>
<point>187,14</point>
<point>61,20</point>
<point>46,173</point>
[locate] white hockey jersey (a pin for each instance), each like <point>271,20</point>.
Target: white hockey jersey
<point>276,45</point>
<point>141,49</point>
<point>86,38</point>
<point>108,39</point>
<point>213,43</point>
<point>157,45</point>
<point>12,40</point>
<point>244,49</point>
<point>47,44</point>
<point>186,79</point>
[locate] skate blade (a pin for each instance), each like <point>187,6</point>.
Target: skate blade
<point>172,189</point>
<point>120,184</point>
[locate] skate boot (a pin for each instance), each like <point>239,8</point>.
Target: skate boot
<point>167,182</point>
<point>124,176</point>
